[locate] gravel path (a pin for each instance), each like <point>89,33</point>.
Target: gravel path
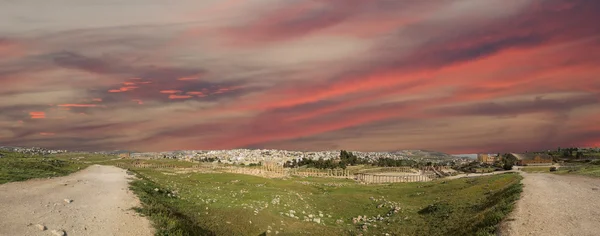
<point>556,205</point>
<point>101,203</point>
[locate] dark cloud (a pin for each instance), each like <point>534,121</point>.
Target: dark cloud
<point>538,104</point>
<point>76,61</point>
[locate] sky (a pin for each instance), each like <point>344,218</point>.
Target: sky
<point>457,76</point>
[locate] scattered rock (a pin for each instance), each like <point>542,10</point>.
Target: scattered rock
<point>156,190</point>
<point>595,189</point>
<point>365,227</point>
<point>41,227</point>
<point>58,232</point>
<point>317,220</point>
<point>68,200</point>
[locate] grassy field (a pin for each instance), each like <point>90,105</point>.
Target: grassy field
<point>232,204</point>
<point>189,203</point>
<point>587,170</point>
<point>590,169</point>
<point>20,167</point>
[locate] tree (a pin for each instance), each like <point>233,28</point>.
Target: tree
<point>508,162</point>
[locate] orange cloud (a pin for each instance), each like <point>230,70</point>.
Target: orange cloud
<point>37,115</point>
<point>78,105</point>
<point>173,96</point>
<point>139,102</point>
<point>97,99</point>
<point>187,78</point>
<point>128,88</point>
<point>47,134</point>
<point>170,91</point>
<point>196,93</point>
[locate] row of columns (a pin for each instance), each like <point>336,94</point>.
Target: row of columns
<point>367,178</point>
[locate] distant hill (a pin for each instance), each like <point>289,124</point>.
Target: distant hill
<point>472,156</point>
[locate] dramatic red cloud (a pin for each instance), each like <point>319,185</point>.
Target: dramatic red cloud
<point>123,89</point>
<point>196,93</point>
<point>77,105</point>
<point>187,78</point>
<point>525,76</point>
<point>170,91</point>
<point>173,96</point>
<point>294,130</point>
<point>37,115</point>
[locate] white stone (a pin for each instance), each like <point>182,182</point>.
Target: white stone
<point>58,232</point>
<point>41,227</point>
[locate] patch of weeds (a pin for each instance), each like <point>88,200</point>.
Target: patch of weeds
<point>21,168</point>
<point>158,206</point>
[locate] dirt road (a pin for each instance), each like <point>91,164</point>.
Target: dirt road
<point>556,205</point>
<point>474,175</point>
<point>101,203</point>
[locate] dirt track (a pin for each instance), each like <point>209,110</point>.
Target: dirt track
<point>101,205</point>
<point>556,205</point>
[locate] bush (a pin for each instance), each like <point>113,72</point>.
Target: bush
<point>553,168</point>
<point>595,162</point>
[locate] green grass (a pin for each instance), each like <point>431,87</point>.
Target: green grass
<point>20,167</point>
<point>590,169</point>
<point>16,168</point>
<point>586,170</point>
<point>233,204</point>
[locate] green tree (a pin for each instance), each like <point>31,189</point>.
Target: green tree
<point>508,161</point>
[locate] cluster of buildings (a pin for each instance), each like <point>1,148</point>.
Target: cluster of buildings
<point>523,159</point>
<point>32,150</point>
<point>249,156</point>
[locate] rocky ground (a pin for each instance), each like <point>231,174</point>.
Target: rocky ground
<point>94,201</point>
<point>556,205</point>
